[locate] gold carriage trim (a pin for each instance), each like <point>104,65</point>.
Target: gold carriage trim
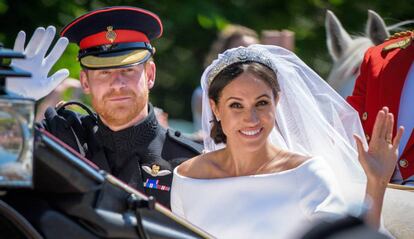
<point>401,187</point>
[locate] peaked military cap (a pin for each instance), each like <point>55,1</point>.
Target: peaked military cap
<point>114,37</point>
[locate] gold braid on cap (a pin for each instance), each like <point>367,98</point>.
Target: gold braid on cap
<point>240,54</point>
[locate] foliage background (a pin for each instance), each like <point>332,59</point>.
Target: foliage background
<point>190,26</point>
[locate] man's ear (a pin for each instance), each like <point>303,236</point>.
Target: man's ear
<point>215,110</point>
<point>84,82</point>
<point>150,70</point>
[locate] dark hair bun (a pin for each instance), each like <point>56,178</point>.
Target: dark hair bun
<point>217,133</point>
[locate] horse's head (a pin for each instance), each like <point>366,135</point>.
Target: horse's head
<point>347,52</point>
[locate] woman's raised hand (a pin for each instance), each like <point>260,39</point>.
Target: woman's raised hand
<point>380,158</point>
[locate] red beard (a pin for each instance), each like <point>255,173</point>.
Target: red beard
<point>118,113</point>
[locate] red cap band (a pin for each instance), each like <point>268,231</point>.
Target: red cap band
<point>121,36</point>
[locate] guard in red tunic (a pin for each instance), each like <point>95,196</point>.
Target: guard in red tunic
<point>387,79</point>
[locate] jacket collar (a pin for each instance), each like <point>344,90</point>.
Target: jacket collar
<point>127,139</point>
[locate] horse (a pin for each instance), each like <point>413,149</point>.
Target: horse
<point>348,51</point>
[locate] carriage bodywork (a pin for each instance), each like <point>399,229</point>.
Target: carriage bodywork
<point>72,198</point>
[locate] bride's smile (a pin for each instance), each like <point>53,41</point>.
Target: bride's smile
<point>251,132</point>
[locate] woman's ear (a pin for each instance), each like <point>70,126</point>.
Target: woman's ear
<point>84,82</point>
<point>277,98</point>
<point>215,110</point>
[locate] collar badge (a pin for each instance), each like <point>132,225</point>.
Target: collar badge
<point>155,170</point>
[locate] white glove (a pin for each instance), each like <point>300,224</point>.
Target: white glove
<point>39,65</point>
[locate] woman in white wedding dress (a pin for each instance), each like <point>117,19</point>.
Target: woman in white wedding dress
<point>281,153</point>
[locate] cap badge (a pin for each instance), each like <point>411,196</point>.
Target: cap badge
<point>110,34</point>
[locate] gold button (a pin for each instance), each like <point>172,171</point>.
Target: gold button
<point>365,116</point>
<point>403,163</point>
<point>367,137</point>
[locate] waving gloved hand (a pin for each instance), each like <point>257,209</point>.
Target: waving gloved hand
<point>38,64</point>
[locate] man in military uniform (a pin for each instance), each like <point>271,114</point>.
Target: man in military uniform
<point>124,136</point>
<point>387,79</point>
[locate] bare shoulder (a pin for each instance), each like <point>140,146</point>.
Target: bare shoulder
<point>286,160</point>
<point>294,159</point>
<point>201,166</point>
<point>186,168</point>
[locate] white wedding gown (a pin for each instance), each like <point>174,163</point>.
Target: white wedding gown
<point>275,205</point>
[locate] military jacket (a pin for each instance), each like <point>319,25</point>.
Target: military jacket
<point>143,156</point>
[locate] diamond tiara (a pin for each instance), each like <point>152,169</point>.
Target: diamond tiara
<point>240,54</point>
